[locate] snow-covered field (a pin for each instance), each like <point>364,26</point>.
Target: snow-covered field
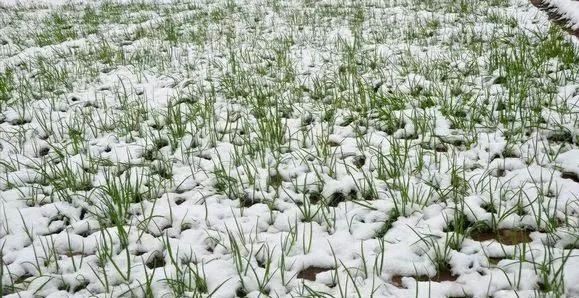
<point>268,148</point>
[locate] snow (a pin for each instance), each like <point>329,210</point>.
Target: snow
<point>56,3</point>
<point>569,10</point>
<point>240,204</point>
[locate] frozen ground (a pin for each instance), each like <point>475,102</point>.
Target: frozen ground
<point>287,149</point>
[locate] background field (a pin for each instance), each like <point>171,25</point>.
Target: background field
<point>287,149</point>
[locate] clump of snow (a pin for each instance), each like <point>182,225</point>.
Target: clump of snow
<point>568,9</point>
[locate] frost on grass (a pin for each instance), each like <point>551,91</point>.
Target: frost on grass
<point>287,148</point>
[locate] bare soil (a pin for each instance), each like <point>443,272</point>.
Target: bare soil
<point>440,277</point>
<point>311,272</point>
<point>504,236</point>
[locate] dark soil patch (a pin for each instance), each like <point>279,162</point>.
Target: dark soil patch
<point>489,207</point>
<point>71,253</point>
<point>397,280</point>
<point>315,197</point>
<point>359,161</point>
<point>155,261</point>
<point>22,278</point>
<point>275,180</point>
<point>570,175</point>
<point>336,199</point>
<point>80,286</point>
<point>160,143</point>
<point>499,173</point>
<point>247,200</point>
<point>504,236</point>
<point>333,144</point>
<point>240,292</point>
<point>562,136</point>
<point>494,261</point>
<point>19,122</point>
<point>440,277</point>
<point>43,152</point>
<point>441,148</point>
<point>392,217</point>
<point>311,272</point>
